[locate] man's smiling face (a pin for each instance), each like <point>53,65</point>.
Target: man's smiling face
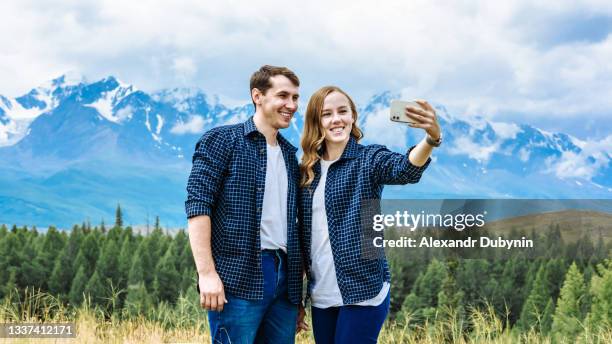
<point>279,103</point>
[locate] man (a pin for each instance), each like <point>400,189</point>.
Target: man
<point>242,211</point>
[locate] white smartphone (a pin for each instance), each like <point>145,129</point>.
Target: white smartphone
<point>398,111</point>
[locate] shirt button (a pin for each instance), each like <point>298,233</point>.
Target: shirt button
<point>263,169</point>
<point>259,189</point>
<point>259,210</point>
<point>262,151</point>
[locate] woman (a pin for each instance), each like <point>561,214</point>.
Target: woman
<point>349,292</point>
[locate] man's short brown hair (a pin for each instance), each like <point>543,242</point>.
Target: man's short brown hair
<point>261,78</point>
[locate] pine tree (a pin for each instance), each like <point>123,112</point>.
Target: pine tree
<point>555,274</point>
<point>156,245</point>
<point>503,289</point>
<point>62,274</point>
<point>66,264</point>
<point>189,280</point>
<point>167,279</point>
<point>472,277</point>
<point>422,302</point>
<point>187,265</point>
<point>10,253</point>
<point>149,256</point>
<point>11,283</point>
<point>53,241</point>
<point>127,233</point>
<point>125,262</point>
<point>107,265</point>
<point>97,290</point>
<point>30,272</point>
<point>547,317</point>
<point>3,231</point>
<point>450,298</point>
<point>118,217</point>
<point>600,316</point>
<point>138,301</point>
<point>47,254</point>
<point>138,266</point>
<point>78,286</point>
<point>533,309</point>
<point>90,251</point>
<point>569,312</point>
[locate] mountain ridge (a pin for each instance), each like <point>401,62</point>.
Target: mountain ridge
<point>128,146</point>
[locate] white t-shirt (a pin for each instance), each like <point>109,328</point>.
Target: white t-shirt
<point>274,209</point>
<point>325,292</point>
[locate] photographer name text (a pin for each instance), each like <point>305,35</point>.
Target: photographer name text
<point>469,242</point>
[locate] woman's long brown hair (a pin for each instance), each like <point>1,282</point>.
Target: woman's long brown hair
<point>313,136</point>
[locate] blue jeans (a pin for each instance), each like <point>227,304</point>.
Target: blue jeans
<point>349,324</point>
<point>270,320</point>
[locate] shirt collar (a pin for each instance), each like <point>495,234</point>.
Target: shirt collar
<point>351,149</point>
<point>249,128</point>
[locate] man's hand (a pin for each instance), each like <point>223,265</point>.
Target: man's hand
<point>212,295</point>
<point>301,323</point>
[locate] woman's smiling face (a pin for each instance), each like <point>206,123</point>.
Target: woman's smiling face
<point>336,118</point>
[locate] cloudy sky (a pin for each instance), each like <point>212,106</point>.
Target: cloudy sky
<point>547,63</point>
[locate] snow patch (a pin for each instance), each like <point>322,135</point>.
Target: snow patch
<point>524,154</point>
<point>104,106</point>
<point>14,110</point>
<point>160,124</point>
<point>13,131</point>
<point>18,118</point>
<point>147,123</point>
<point>107,101</point>
<point>125,113</point>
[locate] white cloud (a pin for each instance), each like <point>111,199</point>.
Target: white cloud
<point>585,164</point>
<point>487,58</point>
<point>394,133</point>
<point>477,151</point>
<point>195,125</point>
<point>505,130</point>
<point>184,67</point>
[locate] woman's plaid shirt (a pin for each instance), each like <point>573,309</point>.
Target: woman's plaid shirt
<point>357,178</point>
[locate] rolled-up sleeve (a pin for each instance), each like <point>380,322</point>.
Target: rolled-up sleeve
<point>210,161</point>
<point>388,167</point>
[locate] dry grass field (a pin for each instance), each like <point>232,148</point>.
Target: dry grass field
<point>189,326</point>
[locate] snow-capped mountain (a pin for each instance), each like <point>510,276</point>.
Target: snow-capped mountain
<point>72,150</point>
<point>16,114</point>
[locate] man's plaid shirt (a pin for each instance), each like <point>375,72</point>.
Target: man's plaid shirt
<point>357,177</point>
<point>227,183</point>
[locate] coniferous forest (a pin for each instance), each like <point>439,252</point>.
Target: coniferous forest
<point>563,292</point>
